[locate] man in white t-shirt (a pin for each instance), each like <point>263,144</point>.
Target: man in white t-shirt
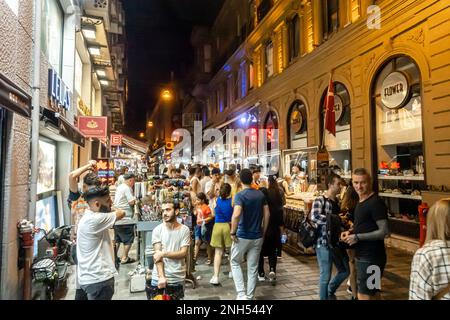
<point>95,253</point>
<point>170,241</point>
<point>124,229</point>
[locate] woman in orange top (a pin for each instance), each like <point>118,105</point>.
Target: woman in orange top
<point>205,220</point>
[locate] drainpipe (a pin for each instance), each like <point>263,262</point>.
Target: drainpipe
<point>35,115</point>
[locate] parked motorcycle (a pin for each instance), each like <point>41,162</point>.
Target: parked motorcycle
<point>50,267</point>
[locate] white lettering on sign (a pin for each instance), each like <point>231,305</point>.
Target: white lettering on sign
<point>58,91</point>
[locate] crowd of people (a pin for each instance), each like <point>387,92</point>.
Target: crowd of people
<point>239,216</point>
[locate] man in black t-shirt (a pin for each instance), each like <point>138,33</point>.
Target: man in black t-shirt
<point>367,237</point>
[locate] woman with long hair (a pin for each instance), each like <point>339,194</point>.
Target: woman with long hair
<point>430,270</point>
<point>221,238</point>
<point>272,241</point>
<point>348,206</point>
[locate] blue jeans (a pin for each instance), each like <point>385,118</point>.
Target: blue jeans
<point>326,257</point>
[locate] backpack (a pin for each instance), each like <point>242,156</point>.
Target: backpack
<point>307,232</point>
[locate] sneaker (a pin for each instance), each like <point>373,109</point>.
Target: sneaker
<point>214,281</point>
<point>332,297</point>
<point>272,276</point>
<point>241,297</point>
<point>261,278</point>
<point>230,275</point>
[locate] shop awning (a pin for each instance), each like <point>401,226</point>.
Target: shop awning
<point>63,127</point>
<point>13,98</point>
<point>133,144</point>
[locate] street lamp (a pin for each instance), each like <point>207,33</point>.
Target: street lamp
<point>150,124</point>
<point>166,95</point>
<point>141,135</point>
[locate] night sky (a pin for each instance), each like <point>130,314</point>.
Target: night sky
<point>158,35</point>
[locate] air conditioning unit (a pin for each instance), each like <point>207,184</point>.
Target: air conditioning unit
<point>98,8</point>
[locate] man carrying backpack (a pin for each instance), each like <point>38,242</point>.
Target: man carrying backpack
<point>325,214</point>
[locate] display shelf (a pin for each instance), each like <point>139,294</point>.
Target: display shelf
<point>399,196</point>
<point>403,220</point>
<point>408,178</point>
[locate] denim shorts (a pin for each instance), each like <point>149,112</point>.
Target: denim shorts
<point>366,272</point>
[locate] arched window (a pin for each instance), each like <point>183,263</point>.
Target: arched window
<point>297,125</point>
<point>339,146</point>
<point>270,124</point>
<point>398,156</point>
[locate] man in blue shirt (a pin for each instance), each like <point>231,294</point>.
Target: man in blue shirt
<point>248,226</point>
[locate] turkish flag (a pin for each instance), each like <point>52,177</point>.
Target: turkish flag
<point>330,120</point>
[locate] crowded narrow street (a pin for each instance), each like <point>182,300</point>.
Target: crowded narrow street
<point>297,279</point>
<point>232,150</point>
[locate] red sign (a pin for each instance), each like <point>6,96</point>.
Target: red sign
<point>93,127</point>
<point>116,140</point>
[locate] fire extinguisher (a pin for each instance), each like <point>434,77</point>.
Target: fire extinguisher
<point>423,210</point>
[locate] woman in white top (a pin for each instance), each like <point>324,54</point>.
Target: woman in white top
<point>430,271</point>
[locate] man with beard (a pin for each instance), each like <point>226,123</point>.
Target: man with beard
<point>170,241</point>
<point>95,253</point>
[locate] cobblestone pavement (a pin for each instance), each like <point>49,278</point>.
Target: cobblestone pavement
<point>297,279</point>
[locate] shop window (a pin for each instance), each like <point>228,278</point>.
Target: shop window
<point>294,37</point>
<point>297,125</point>
<point>330,17</point>
<point>269,59</point>
<point>52,33</point>
<point>339,146</point>
<point>399,153</point>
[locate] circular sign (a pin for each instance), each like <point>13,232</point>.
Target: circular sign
<point>296,121</point>
<point>394,90</point>
<point>338,108</point>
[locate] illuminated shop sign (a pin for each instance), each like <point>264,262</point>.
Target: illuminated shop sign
<point>58,91</point>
